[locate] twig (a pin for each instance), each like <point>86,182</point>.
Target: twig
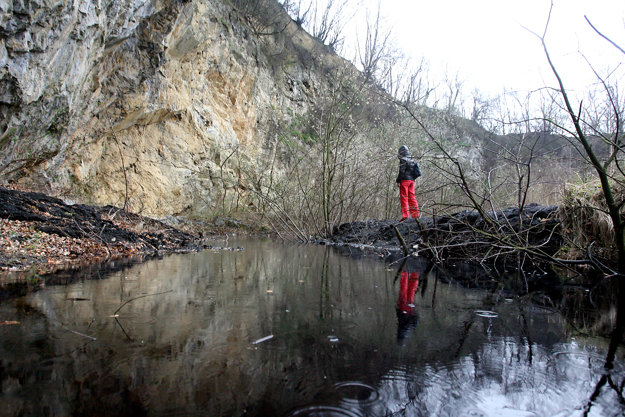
<point>400,269</point>
<point>596,263</point>
<point>136,298</point>
<point>121,156</point>
<point>75,332</point>
<point>603,36</point>
<point>124,330</point>
<point>401,240</point>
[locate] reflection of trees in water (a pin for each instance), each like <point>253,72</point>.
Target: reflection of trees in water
<point>503,377</point>
<point>590,311</point>
<point>523,369</point>
<point>598,310</point>
<point>325,307</point>
<point>197,354</point>
<point>610,377</point>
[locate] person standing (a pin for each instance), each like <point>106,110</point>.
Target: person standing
<point>408,171</point>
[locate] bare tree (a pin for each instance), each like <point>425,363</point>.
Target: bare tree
<point>329,178</point>
<point>298,10</point>
<point>325,23</point>
<point>480,109</point>
<point>608,166</point>
<point>453,95</point>
<point>459,172</point>
<point>375,46</point>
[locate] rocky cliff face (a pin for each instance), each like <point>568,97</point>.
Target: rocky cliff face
<point>170,107</point>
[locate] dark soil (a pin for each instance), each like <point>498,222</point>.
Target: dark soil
<point>42,234</point>
<point>464,242</point>
<point>540,223</point>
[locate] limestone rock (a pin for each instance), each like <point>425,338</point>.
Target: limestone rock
<point>169,107</point>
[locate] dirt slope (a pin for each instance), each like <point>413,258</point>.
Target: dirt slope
<point>42,234</point>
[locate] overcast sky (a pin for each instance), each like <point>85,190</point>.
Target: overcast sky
<point>487,42</point>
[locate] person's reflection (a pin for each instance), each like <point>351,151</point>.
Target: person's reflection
<point>406,311</point>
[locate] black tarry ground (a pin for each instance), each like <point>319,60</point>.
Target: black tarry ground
<point>42,235</point>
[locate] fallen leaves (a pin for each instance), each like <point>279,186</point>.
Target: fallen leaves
<point>22,247</point>
<point>41,234</point>
<point>21,241</point>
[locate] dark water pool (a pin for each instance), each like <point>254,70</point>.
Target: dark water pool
<point>286,330</point>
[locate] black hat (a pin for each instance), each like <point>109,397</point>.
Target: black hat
<point>403,151</point>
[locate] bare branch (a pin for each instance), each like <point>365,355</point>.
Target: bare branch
<point>603,36</point>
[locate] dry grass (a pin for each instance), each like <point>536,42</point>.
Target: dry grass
<point>585,220</point>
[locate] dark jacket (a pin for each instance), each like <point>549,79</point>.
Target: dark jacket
<point>408,169</point>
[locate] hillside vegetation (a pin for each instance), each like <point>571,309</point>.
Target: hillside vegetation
<point>230,108</point>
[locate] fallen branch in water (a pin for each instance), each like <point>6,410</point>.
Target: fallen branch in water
<point>76,332</point>
<point>401,240</point>
<point>124,330</point>
<point>136,298</point>
<point>262,339</point>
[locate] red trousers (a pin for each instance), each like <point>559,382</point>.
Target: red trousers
<point>409,205</point>
<point>408,286</point>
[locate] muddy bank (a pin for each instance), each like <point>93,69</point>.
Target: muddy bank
<point>461,237</point>
<point>41,235</point>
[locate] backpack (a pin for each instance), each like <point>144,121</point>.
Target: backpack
<point>416,171</point>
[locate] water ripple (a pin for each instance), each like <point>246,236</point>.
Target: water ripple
<point>357,392</point>
<point>323,411</point>
<point>487,314</point>
<point>581,360</point>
